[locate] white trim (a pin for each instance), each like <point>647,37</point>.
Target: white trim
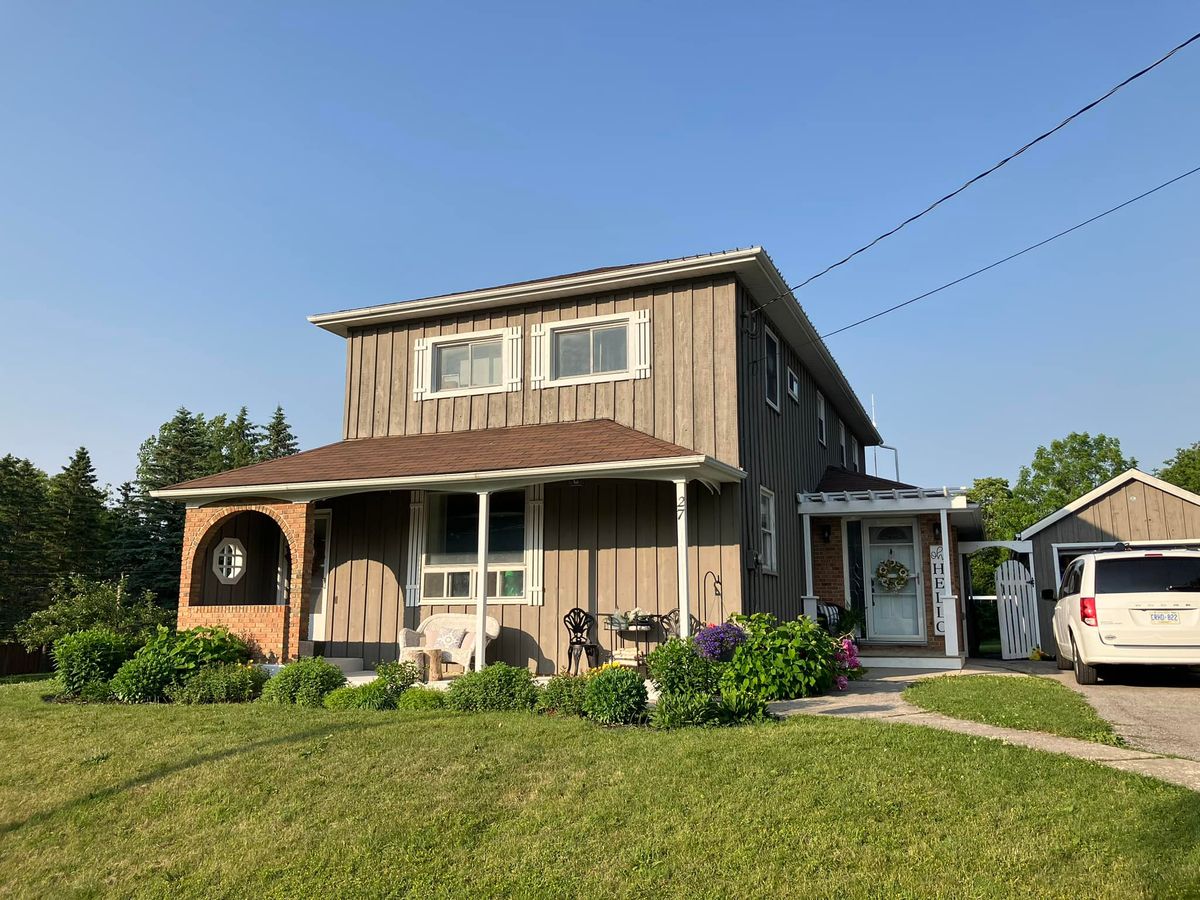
<point>481,568</point>
<point>416,547</point>
<point>769,335</point>
<point>535,529</point>
<point>883,502</point>
<point>806,531</point>
<point>425,363</point>
<point>773,569</point>
<point>637,349</point>
<point>912,662</point>
<point>283,581</point>
<point>240,548</point>
<point>822,421</point>
<point>681,558</point>
<point>949,598</point>
<point>327,515</point>
<point>699,467</point>
<point>1110,485</point>
<point>793,384</point>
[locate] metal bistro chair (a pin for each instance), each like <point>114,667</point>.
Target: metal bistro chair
<point>669,623</point>
<point>580,627</point>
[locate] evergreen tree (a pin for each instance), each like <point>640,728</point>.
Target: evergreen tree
<point>280,440</point>
<point>129,539</point>
<point>242,441</point>
<point>77,519</point>
<point>25,566</point>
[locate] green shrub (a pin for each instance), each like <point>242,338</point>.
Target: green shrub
<point>676,668</point>
<point>563,695</point>
<point>734,708</point>
<point>187,652</point>
<point>681,710</point>
<point>143,679</point>
<point>304,682</point>
<point>372,695</point>
<point>78,603</point>
<point>223,683</point>
<point>96,692</point>
<point>616,697</point>
<point>498,687</point>
<point>93,655</point>
<point>398,676</point>
<point>418,698</point>
<point>781,660</point>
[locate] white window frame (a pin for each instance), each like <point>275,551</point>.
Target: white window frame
<point>793,384</point>
<point>425,352</point>
<point>768,536</point>
<point>854,452</point>
<point>768,336</point>
<point>531,565</point>
<point>240,548</point>
<point>637,349</point>
<point>822,430</point>
<point>842,443</point>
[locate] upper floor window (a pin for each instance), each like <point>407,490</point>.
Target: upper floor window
<point>793,384</point>
<point>821,418</point>
<point>590,350</point>
<point>771,368</point>
<point>854,453</point>
<point>842,443</point>
<point>766,524</point>
<point>480,362</point>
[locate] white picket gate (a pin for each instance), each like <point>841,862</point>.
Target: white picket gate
<point>1016,603</point>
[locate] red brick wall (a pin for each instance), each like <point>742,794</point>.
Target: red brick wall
<point>829,576</point>
<point>275,629</point>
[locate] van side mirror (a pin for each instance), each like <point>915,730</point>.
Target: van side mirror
<point>1048,594</point>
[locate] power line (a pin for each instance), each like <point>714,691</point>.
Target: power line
<point>1010,257</point>
<point>986,172</point>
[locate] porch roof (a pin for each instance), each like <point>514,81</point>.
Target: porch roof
<point>463,460</point>
<point>884,500</point>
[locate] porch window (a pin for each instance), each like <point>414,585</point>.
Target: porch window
<point>821,418</point>
<point>450,572</point>
<point>229,561</point>
<point>766,520</point>
<point>591,350</point>
<point>771,368</point>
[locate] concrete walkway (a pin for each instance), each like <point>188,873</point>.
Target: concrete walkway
<point>878,696</point>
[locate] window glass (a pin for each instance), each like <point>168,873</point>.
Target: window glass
<point>854,453</point>
<point>229,561</point>
<point>453,533</point>
<point>609,349</point>
<point>1147,574</point>
<point>821,417</point>
<point>572,353</point>
<point>771,368</point>
<point>591,351</point>
<point>766,517</point>
<point>793,385</point>
<point>842,441</point>
<point>470,365</point>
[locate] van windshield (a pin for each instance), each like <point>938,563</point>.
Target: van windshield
<point>1147,574</point>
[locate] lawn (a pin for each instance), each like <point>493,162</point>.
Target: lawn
<point>242,801</point>
<point>1013,701</point>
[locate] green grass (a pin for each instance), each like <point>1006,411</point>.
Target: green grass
<point>21,679</point>
<point>1013,701</point>
<point>242,801</point>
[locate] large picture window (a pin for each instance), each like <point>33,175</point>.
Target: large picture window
<point>450,570</point>
<point>586,351</point>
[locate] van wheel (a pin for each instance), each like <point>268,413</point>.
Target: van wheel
<point>1084,674</point>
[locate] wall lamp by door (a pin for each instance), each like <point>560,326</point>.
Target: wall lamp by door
<point>826,533</point>
<point>937,532</point>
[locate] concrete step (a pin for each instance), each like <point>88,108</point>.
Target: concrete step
<point>361,677</point>
<point>347,664</point>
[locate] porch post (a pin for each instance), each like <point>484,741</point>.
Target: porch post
<point>681,554</point>
<point>809,600</point>
<point>949,604</point>
<point>481,585</point>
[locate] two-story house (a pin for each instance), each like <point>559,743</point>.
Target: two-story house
<point>661,436</point>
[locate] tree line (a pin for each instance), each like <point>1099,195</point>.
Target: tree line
<point>56,529</point>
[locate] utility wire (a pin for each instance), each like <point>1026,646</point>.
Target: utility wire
<point>1037,140</point>
<point>1009,258</point>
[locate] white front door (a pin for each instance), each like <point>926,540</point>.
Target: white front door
<point>318,576</point>
<point>895,605</point>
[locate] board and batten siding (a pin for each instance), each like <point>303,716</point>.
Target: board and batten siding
<point>689,399</point>
<point>260,537</point>
<point>1134,511</point>
<point>609,545</point>
<point>780,451</point>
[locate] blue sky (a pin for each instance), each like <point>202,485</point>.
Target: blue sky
<point>180,184</point>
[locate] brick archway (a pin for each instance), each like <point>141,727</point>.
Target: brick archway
<point>275,630</point>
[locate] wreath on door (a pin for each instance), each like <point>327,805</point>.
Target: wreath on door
<point>892,575</point>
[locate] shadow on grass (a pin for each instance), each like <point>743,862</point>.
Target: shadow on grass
<point>164,771</point>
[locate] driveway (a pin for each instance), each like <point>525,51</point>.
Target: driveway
<point>1153,709</point>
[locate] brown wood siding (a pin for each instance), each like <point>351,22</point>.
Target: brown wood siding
<point>780,451</point>
<point>690,397</point>
<point>1135,511</point>
<point>609,545</point>
<point>260,536</point>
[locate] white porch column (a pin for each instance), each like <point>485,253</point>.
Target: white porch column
<point>809,600</point>
<point>949,601</point>
<point>681,553</point>
<point>481,584</point>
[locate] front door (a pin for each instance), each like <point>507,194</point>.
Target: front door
<point>895,607</point>
<point>318,578</point>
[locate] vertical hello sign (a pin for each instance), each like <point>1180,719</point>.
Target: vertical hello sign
<point>941,587</point>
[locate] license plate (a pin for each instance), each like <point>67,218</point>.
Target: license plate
<point>1164,618</point>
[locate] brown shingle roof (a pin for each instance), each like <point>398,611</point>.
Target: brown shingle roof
<point>452,453</point>
<point>838,478</point>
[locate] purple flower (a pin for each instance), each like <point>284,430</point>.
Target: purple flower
<point>718,642</point>
<point>842,682</point>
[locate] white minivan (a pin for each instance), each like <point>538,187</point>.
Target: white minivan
<point>1128,607</point>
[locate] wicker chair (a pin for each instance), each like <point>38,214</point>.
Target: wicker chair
<point>463,653</point>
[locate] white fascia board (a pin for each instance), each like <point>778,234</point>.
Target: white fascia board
<point>534,292</point>
<point>700,467</point>
<point>835,506</point>
<point>1110,485</point>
